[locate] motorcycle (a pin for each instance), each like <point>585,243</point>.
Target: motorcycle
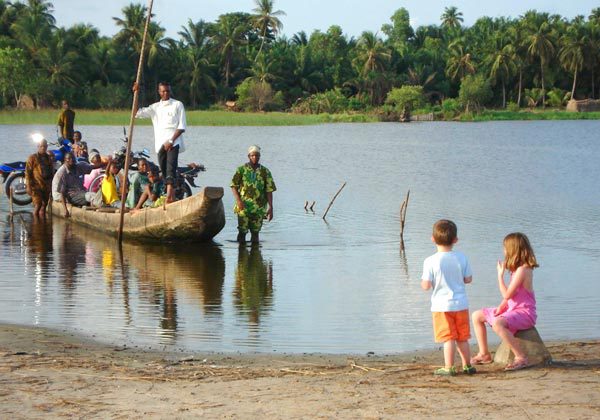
<point>13,174</point>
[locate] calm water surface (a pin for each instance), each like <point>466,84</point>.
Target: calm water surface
<point>336,287</point>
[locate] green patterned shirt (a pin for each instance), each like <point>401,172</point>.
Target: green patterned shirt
<point>253,185</point>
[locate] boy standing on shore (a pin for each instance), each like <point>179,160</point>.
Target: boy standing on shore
<point>447,272</point>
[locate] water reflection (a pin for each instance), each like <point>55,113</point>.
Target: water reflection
<point>158,276</point>
<point>71,251</point>
<point>253,283</point>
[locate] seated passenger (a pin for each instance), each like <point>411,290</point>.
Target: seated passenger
<point>153,192</point>
<point>137,184</point>
<point>67,184</point>
<point>81,151</point>
<point>111,185</point>
<point>95,159</point>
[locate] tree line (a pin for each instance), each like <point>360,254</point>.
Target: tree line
<point>536,60</point>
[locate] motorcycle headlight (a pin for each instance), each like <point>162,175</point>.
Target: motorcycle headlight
<point>37,138</point>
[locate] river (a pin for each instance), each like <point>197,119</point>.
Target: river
<point>335,286</point>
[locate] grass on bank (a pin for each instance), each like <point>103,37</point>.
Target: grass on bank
<point>228,118</point>
<point>194,118</point>
<point>527,115</point>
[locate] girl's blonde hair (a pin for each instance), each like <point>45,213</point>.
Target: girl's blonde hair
<point>518,252</point>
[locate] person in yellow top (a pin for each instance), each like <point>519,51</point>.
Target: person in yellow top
<point>66,119</point>
<point>111,186</point>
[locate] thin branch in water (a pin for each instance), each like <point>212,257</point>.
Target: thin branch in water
<point>333,199</point>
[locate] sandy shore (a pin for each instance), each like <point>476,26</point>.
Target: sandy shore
<point>49,374</point>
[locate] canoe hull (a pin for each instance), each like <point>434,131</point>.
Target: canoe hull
<point>195,219</point>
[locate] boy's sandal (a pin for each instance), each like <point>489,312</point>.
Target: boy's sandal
<point>482,359</point>
<point>445,371</point>
<point>517,364</point>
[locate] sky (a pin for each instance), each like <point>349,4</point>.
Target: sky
<point>353,16</point>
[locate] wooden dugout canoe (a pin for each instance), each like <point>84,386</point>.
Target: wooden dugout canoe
<point>195,219</point>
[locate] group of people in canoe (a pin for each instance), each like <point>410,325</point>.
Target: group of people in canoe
<point>252,184</point>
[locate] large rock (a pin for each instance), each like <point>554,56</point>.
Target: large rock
<point>532,345</point>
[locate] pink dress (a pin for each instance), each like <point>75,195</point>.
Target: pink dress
<point>520,314</point>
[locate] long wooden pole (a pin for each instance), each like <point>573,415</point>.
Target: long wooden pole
<point>134,108</point>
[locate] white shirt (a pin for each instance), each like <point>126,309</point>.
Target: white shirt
<point>167,117</point>
<point>447,271</point>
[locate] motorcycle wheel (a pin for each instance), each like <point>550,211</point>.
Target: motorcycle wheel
<point>184,191</point>
<point>16,181</point>
<point>96,183</point>
<point>187,191</point>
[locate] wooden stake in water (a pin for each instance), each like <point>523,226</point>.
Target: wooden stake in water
<point>403,208</point>
<point>134,107</point>
<point>333,199</point>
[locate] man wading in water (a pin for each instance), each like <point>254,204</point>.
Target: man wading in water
<point>168,119</point>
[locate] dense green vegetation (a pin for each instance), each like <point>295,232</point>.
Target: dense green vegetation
<point>535,60</point>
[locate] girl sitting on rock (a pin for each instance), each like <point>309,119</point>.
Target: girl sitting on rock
<point>517,310</point>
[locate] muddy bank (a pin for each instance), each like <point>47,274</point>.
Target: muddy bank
<point>44,373</point>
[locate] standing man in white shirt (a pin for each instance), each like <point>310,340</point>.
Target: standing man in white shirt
<point>168,119</point>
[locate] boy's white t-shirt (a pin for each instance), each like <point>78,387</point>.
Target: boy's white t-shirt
<point>446,271</point>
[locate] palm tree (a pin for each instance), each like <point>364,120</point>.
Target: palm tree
<point>228,40</point>
<point>132,27</point>
<point>451,18</point>
<point>595,15</point>
<point>371,60</point>
<point>571,55</point>
<point>503,66</point>
<point>33,27</point>
<point>460,63</point>
<point>420,76</point>
<point>300,39</point>
<point>592,56</point>
<point>306,74</point>
<point>155,43</point>
<point>541,46</point>
<point>261,71</point>
<point>197,41</point>
<point>58,62</point>
<point>266,21</point>
<point>102,53</point>
<point>195,35</point>
<point>41,10</point>
<point>516,35</point>
<point>372,53</point>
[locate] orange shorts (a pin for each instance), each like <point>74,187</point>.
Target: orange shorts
<point>451,326</point>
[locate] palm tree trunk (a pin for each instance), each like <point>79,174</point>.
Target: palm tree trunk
<point>262,42</point>
<point>503,95</point>
<point>520,86</point>
<point>17,98</point>
<point>227,71</point>
<point>543,87</point>
<point>574,85</point>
